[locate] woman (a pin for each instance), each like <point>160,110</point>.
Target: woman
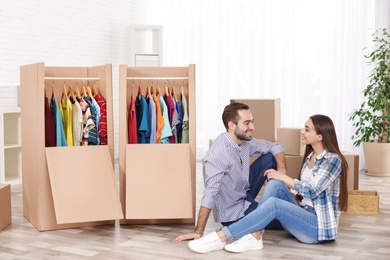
<point>323,187</point>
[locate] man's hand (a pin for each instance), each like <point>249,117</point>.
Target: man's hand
<point>189,236</point>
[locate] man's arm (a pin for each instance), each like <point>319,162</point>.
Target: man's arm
<point>203,216</point>
<point>280,159</point>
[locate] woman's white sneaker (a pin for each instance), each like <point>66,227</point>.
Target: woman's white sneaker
<point>245,243</point>
<point>207,243</point>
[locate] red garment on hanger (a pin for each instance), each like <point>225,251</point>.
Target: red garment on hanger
<point>132,125</point>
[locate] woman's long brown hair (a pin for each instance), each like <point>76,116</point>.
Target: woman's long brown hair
<point>324,126</point>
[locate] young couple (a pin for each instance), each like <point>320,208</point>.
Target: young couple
<point>232,184</point>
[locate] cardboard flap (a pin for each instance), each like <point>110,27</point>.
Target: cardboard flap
<point>158,181</point>
<point>83,184</point>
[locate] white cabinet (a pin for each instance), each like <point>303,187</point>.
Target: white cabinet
<point>10,146</point>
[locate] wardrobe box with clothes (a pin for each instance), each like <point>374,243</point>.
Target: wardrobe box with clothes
<point>267,116</point>
<point>290,138</point>
<point>5,206</point>
<point>157,180</point>
<point>68,186</point>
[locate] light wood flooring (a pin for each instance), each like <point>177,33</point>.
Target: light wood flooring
<point>360,237</point>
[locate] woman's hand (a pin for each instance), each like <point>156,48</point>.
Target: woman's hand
<point>273,174</point>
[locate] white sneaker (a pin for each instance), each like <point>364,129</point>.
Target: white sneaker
<point>246,243</point>
<point>207,243</point>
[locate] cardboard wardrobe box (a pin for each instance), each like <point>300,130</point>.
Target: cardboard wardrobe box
<point>69,186</point>
<point>5,206</point>
<point>157,181</point>
<point>267,116</point>
<point>290,138</point>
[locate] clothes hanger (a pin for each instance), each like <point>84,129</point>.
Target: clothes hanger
<point>139,91</point>
<point>71,93</point>
<point>94,90</point>
<point>64,92</point>
<point>53,90</point>
<point>89,92</point>
<point>174,92</point>
<point>77,92</point>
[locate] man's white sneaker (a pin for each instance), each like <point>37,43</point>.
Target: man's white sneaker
<point>246,243</point>
<point>207,243</point>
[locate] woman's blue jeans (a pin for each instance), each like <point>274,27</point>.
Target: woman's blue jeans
<point>277,203</point>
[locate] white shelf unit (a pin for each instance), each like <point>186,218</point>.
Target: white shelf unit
<point>144,46</point>
<point>10,146</point>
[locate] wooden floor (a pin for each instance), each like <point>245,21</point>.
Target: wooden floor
<point>360,237</point>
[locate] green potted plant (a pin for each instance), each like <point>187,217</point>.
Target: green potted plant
<point>372,120</point>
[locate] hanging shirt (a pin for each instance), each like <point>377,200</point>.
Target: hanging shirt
<point>180,119</point>
<point>166,130</point>
<point>97,108</point>
<point>159,119</point>
<point>58,127</point>
<point>66,109</point>
<point>50,138</point>
<point>132,127</point>
<point>102,128</point>
<point>142,120</point>
<point>152,119</point>
<point>184,133</point>
<point>77,123</point>
<point>88,123</point>
<point>92,137</point>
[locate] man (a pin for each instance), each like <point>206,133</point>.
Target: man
<point>231,183</point>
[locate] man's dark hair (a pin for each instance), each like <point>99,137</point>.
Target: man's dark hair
<point>230,113</point>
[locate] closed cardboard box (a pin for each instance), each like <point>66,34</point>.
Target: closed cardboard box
<point>5,205</point>
<point>266,114</point>
<point>290,138</point>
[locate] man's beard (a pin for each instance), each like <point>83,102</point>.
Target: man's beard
<point>242,137</point>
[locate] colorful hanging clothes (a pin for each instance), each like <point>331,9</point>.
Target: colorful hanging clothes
<point>132,127</point>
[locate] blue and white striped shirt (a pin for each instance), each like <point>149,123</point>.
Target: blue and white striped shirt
<point>324,190</point>
<point>226,175</point>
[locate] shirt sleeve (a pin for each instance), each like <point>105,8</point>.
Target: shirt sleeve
<point>213,174</point>
<point>325,173</point>
<point>261,146</point>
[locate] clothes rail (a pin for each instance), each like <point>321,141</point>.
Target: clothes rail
<point>157,78</point>
<point>72,78</point>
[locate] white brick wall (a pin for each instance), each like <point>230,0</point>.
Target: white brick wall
<point>61,33</point>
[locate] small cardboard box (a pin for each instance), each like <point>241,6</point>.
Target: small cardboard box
<point>290,138</point>
<point>266,114</point>
<point>363,202</point>
<point>5,206</point>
